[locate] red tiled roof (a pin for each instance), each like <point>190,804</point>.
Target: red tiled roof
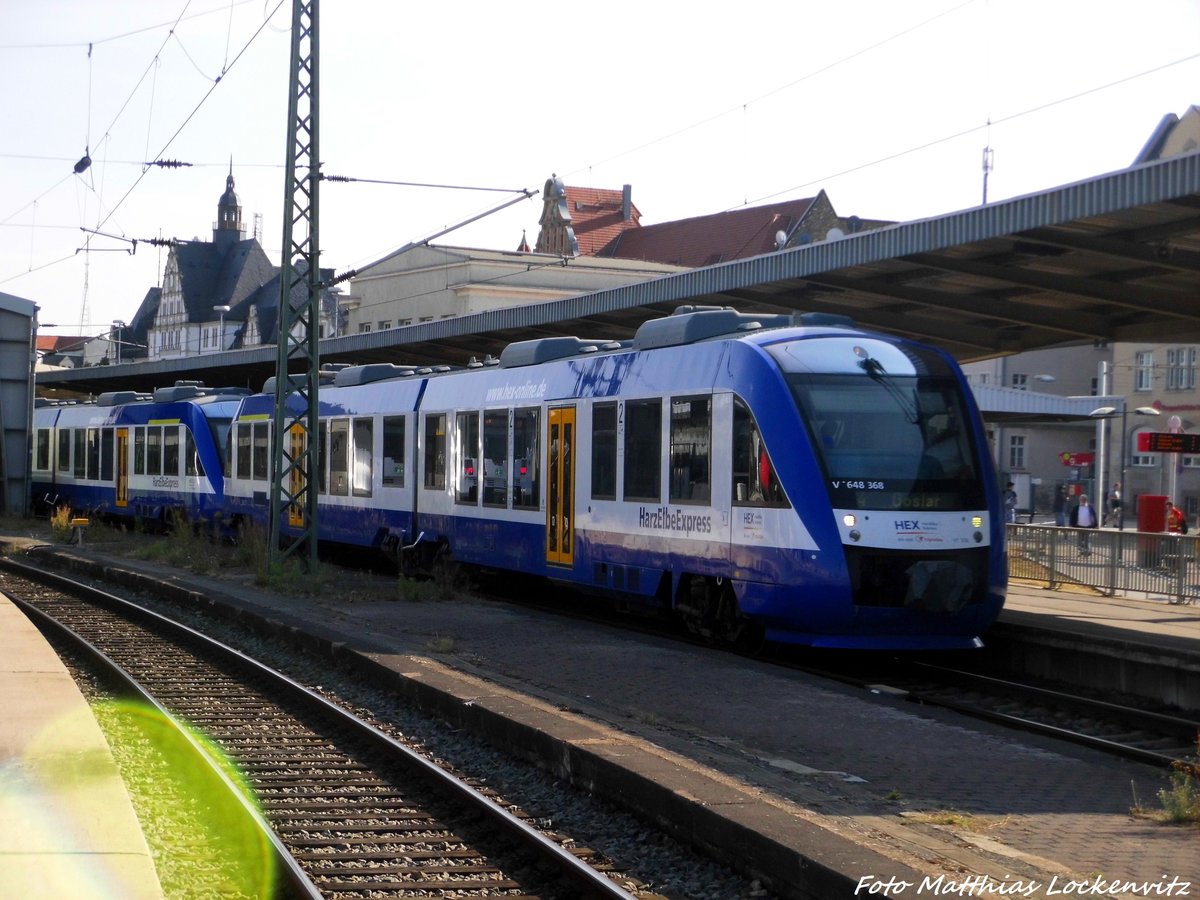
<point>596,217</point>
<point>706,240</point>
<point>52,343</point>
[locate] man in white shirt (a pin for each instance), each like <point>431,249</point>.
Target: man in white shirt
<point>1083,516</point>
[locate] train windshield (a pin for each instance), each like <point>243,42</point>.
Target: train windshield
<point>888,423</point>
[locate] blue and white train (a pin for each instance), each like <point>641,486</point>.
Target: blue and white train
<point>789,477</point>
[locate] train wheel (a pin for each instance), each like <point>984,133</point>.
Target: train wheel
<point>710,610</point>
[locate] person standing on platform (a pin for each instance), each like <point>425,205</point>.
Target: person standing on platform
<point>1083,517</point>
<point>1176,521</point>
<point>1010,503</point>
<point>1114,505</point>
<point>1061,502</point>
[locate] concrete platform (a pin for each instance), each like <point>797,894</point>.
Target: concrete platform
<point>835,791</point>
<point>1136,647</point>
<point>67,827</point>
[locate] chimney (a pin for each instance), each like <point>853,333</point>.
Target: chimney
<point>626,203</point>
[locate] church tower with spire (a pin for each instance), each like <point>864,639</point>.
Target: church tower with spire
<point>229,228</point>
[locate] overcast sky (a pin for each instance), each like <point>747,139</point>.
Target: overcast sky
<point>885,105</point>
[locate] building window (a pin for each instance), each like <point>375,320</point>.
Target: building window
<point>1020,381</point>
<point>1140,459</point>
<point>1143,363</point>
<point>1016,452</point>
<point>1181,369</point>
<point>364,328</point>
<point>385,324</point>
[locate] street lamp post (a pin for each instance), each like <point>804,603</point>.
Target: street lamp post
<point>221,310</point>
<point>1110,412</point>
<point>117,326</point>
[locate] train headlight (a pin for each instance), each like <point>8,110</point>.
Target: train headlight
<point>977,521</point>
<point>849,520</point>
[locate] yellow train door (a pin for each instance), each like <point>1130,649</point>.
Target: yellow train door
<point>296,447</point>
<point>560,487</point>
<point>122,467</point>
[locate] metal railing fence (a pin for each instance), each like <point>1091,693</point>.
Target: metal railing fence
<point>1114,562</point>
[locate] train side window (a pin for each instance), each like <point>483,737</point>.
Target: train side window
<point>154,450</point>
<point>79,451</point>
<point>107,451</point>
<point>260,452</point>
<point>754,480</point>
<point>604,451</point>
<point>245,439</point>
<point>171,450</point>
<point>364,435</point>
<point>322,455</point>
<point>393,451</point>
<point>41,459</point>
<point>139,451</point>
<point>643,450</point>
<point>435,451</point>
<point>64,450</point>
<point>495,457</point>
<point>339,456</point>
<point>526,485</point>
<point>466,489</point>
<point>93,454</point>
<point>691,442</point>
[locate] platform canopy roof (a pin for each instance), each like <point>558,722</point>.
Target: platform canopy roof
<point>1113,258</point>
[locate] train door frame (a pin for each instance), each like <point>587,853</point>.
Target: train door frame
<point>122,450</point>
<point>561,438</point>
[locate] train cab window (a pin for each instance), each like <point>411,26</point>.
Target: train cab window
<point>107,451</point>
<point>643,450</point>
<point>64,450</point>
<point>526,485</point>
<point>41,457</point>
<point>93,454</point>
<point>604,451</point>
<point>754,480</point>
<point>171,450</point>
<point>691,441</point>
<point>339,457</point>
<point>260,452</point>
<point>466,487</point>
<point>139,451</point>
<point>191,459</point>
<point>435,451</point>
<point>79,451</point>
<point>154,450</point>
<point>360,477</point>
<point>393,451</point>
<point>495,457</point>
<point>243,441</point>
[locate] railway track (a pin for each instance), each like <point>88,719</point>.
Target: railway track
<point>1140,734</point>
<point>349,810</point>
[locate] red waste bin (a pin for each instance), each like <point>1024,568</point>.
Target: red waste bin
<point>1151,517</point>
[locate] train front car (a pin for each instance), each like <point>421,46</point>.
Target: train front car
<point>878,444</point>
